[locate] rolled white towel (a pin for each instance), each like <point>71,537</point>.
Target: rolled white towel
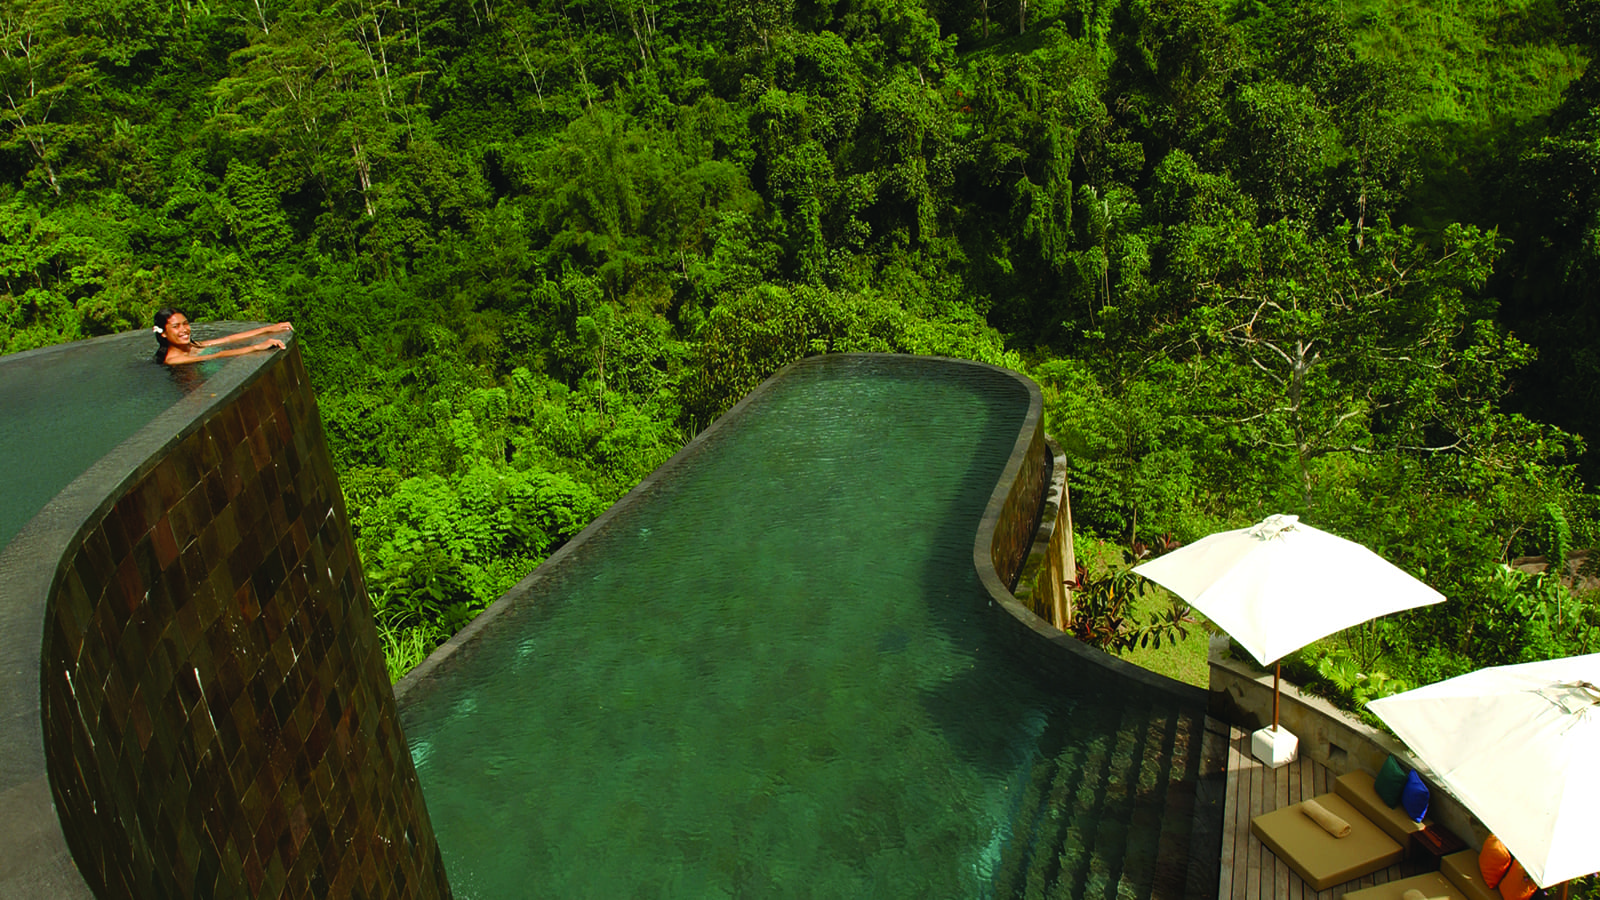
<point>1330,823</point>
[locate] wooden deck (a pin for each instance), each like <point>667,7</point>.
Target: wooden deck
<point>1249,870</point>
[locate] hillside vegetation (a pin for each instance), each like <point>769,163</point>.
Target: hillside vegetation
<point>1332,259</point>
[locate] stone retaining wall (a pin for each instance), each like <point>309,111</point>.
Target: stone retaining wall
<point>1051,561</point>
<point>1016,526</point>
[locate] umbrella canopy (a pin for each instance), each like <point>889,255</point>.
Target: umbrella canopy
<point>1519,746</point>
<point>1281,584</point>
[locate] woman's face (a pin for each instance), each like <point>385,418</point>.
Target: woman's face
<point>177,329</point>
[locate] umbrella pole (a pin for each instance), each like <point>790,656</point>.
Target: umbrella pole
<point>1277,673</point>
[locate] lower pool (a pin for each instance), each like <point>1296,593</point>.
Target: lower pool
<point>775,674</point>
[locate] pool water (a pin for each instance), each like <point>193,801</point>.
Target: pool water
<point>63,408</point>
<point>777,675</point>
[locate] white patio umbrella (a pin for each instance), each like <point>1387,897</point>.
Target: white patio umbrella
<point>1281,584</point>
<point>1520,746</point>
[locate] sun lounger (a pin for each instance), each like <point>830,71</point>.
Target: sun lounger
<point>1318,857</point>
<point>1462,870</point>
<point>1432,885</point>
<point>1458,878</point>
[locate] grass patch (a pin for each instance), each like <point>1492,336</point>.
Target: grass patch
<point>1184,660</point>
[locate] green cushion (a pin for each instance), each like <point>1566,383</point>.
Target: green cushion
<point>1390,781</point>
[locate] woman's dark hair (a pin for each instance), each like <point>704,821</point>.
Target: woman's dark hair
<point>160,321</point>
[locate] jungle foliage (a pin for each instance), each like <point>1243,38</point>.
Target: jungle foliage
<point>1332,259</point>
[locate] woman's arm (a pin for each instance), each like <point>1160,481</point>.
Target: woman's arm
<point>176,357</point>
<point>247,335</point>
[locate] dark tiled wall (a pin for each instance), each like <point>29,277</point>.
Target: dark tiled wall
<point>218,718</point>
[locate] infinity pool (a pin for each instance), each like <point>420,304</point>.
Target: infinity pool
<point>777,675</point>
<point>62,408</point>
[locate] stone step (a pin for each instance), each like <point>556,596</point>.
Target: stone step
<point>1140,729</point>
<point>1109,818</point>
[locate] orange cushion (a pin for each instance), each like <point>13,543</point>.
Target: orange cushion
<point>1517,885</point>
<point>1493,861</point>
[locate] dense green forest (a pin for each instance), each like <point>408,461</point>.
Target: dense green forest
<point>1333,259</point>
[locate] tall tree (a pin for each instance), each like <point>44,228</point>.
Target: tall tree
<point>49,83</point>
<point>332,93</point>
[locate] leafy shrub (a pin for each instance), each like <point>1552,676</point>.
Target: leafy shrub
<point>1102,609</point>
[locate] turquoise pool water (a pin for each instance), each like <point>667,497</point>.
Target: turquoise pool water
<point>62,408</point>
<point>777,675</point>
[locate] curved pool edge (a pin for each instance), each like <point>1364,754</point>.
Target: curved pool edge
<point>1192,817</point>
<point>178,551</point>
<point>1015,500</point>
<point>1064,658</point>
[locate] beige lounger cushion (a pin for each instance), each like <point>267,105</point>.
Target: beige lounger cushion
<point>1462,870</point>
<point>1318,857</point>
<point>1357,788</point>
<point>1431,885</point>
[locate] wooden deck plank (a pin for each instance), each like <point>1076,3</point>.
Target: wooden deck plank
<point>1248,855</point>
<point>1242,813</point>
<point>1285,783</point>
<point>1300,782</point>
<point>1230,809</point>
<point>1240,797</point>
<point>1259,786</point>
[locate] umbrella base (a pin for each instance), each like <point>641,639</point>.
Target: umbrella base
<point>1274,746</point>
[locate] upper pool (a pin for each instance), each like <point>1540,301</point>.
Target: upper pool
<point>775,674</point>
<point>62,408</point>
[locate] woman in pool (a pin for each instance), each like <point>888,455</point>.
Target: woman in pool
<point>176,347</point>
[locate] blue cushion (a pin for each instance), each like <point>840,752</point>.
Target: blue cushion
<point>1414,796</point>
<point>1390,781</point>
